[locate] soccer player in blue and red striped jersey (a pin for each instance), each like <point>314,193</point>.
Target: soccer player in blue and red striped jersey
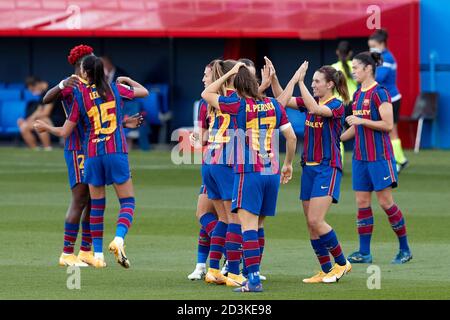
<point>374,165</point>
<point>206,213</point>
<point>74,155</point>
<point>97,106</point>
<point>321,162</point>
<point>218,176</point>
<point>256,161</point>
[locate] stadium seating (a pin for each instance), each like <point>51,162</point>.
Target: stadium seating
<point>29,96</point>
<point>152,107</point>
<point>10,111</point>
<point>8,94</point>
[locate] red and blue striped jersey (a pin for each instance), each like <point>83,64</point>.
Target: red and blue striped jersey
<point>221,127</point>
<point>74,141</point>
<point>322,136</point>
<point>256,139</point>
<point>371,145</point>
<point>102,120</point>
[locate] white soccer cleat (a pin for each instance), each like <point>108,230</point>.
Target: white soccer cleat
<point>198,274</point>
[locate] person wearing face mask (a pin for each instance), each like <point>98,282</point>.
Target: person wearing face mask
<point>386,76</point>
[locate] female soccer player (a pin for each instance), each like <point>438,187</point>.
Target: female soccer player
<point>386,76</point>
<point>97,106</point>
<point>206,214</point>
<point>321,162</point>
<point>218,177</point>
<point>79,208</point>
<point>373,159</point>
<point>256,164</point>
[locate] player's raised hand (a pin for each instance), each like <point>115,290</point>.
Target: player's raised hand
<point>286,173</point>
<point>301,72</point>
<point>236,68</point>
<point>266,77</point>
<point>271,66</point>
<point>72,82</point>
<point>134,121</point>
<point>40,126</point>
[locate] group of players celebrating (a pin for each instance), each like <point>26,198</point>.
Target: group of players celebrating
<point>237,127</point>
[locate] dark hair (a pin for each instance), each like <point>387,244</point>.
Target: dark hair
<point>367,58</point>
<point>339,80</point>
<point>246,84</point>
<point>93,66</point>
<point>247,62</point>
<point>343,50</point>
<point>32,81</point>
<point>380,35</point>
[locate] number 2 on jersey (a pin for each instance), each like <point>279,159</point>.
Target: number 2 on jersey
<point>105,117</point>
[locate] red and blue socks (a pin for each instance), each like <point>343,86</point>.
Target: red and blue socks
<point>233,246</point>
<point>70,236</point>
<point>322,255</point>
<point>398,225</point>
<point>365,229</point>
<point>96,223</point>
<point>204,241</point>
<point>331,243</point>
<point>126,214</point>
<point>217,247</point>
<point>251,253</point>
<point>208,222</point>
<point>261,241</point>
<point>86,239</point>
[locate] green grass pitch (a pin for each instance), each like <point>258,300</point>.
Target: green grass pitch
<point>161,245</point>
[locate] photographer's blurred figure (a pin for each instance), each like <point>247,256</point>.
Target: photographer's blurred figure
<point>36,110</point>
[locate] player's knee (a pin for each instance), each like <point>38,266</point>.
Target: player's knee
<point>363,202</point>
<point>314,223</point>
<point>385,203</point>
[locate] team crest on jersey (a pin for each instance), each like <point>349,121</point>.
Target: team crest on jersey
<point>366,102</point>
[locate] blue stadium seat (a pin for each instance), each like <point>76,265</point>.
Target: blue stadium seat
<point>10,94</point>
<point>151,106</point>
<point>297,120</point>
<point>10,111</point>
<point>16,85</point>
<point>163,90</point>
<point>29,96</point>
<point>2,85</point>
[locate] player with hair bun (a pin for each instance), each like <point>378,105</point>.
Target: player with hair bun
<point>374,165</point>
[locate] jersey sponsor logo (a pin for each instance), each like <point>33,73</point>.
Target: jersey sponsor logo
<point>361,112</point>
<point>366,102</point>
<point>314,124</point>
<point>97,140</point>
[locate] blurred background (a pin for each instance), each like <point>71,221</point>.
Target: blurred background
<point>165,45</point>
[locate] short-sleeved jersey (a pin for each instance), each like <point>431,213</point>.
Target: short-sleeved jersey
<point>101,119</point>
<point>221,127</point>
<point>386,75</point>
<point>323,134</point>
<point>371,145</point>
<point>256,140</point>
<point>74,142</point>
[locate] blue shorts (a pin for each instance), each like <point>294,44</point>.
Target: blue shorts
<point>218,180</point>
<point>202,190</point>
<point>107,169</point>
<point>320,181</point>
<point>255,192</point>
<point>75,167</point>
<point>374,175</point>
